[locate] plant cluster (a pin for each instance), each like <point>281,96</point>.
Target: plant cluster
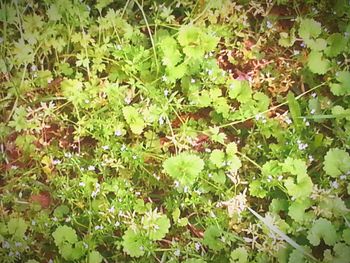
<point>175,131</point>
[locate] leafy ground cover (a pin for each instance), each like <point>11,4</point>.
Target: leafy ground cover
<point>175,131</point>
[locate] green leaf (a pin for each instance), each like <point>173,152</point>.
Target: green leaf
<point>318,44</point>
<point>134,119</point>
<point>217,157</point>
<point>317,63</point>
<point>256,189</point>
<point>17,227</point>
<point>171,54</point>
<point>63,235</point>
<point>53,13</point>
<point>343,87</point>
<point>195,41</point>
<point>322,229</point>
<point>157,225</point>
<point>133,243</point>
<point>309,28</point>
<point>346,236</point>
<point>212,238</point>
<point>239,255</point>
<point>287,40</point>
<point>297,209</point>
<point>296,257</point>
<point>336,45</point>
<point>294,110</point>
<point>301,186</point>
<point>184,167</point>
<point>336,162</point>
<point>95,257</point>
<point>240,90</point>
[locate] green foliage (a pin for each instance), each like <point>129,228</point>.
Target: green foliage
<point>239,255</point>
<point>134,119</point>
<point>336,162</point>
<point>317,63</point>
<point>212,238</point>
<point>141,131</point>
<point>322,229</point>
<point>342,86</point>
<point>184,167</point>
<point>133,244</point>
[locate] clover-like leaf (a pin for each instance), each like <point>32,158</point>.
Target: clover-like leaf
<point>156,224</point>
<point>184,167</point>
<point>212,238</point>
<point>336,162</point>
<point>343,85</point>
<point>133,243</point>
<point>217,157</point>
<point>239,255</point>
<point>317,63</point>
<point>309,28</point>
<point>322,229</point>
<point>336,44</point>
<point>240,90</point>
<point>134,119</point>
<point>64,234</point>
<point>17,227</point>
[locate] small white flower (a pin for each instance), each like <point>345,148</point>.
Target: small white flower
<point>91,168</point>
<point>296,52</point>
<point>209,71</point>
<point>5,244</point>
<point>313,111</point>
<point>118,133</point>
<point>14,167</point>
<point>311,158</point>
<point>141,248</point>
<point>314,95</point>
<point>269,24</point>
<point>54,219</point>
<point>87,101</point>
<point>68,155</point>
<point>123,148</point>
<point>185,189</point>
<point>164,78</point>
<point>55,162</point>
<point>50,261</point>
<point>280,178</point>
<point>134,157</point>
<point>334,184</point>
<point>68,219</point>
<point>105,147</point>
<point>287,120</point>
<point>82,184</point>
<point>18,244</point>
<point>177,252</point>
<point>119,47</point>
<point>197,245</point>
<point>97,227</point>
<point>127,100</point>
<point>33,68</point>
<point>342,177</point>
<point>161,120</point>
<point>207,150</point>
<point>33,223</point>
<point>210,175</point>
<point>193,80</point>
<point>176,183</point>
<point>111,210</point>
<point>302,44</point>
<point>166,93</point>
<point>116,224</point>
<point>85,245</point>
